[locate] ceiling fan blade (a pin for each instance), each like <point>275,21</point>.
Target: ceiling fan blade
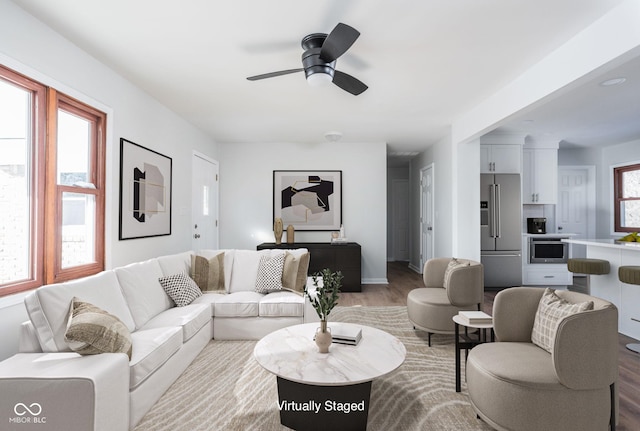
<point>338,42</point>
<point>348,83</point>
<point>274,74</point>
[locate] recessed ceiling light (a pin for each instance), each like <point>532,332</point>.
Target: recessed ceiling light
<point>613,81</point>
<point>333,136</point>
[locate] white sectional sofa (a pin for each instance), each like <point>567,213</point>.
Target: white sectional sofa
<point>165,338</point>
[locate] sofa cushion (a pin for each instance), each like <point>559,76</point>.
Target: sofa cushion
<point>48,306</point>
<point>190,317</point>
<point>281,304</point>
<point>151,349</point>
<point>269,277</point>
<point>209,298</point>
<point>175,263</point>
<point>245,270</point>
<point>551,310</point>
<point>229,255</point>
<point>145,296</point>
<point>239,304</point>
<point>208,273</point>
<point>91,330</point>
<point>181,288</point>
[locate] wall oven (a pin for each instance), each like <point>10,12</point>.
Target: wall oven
<point>548,250</point>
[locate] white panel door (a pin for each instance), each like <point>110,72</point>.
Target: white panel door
<point>576,212</point>
<point>204,201</point>
<point>426,215</point>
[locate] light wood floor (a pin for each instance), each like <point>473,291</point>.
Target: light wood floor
<point>402,280</point>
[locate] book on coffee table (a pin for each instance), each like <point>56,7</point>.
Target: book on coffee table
<point>475,317</point>
<point>345,334</point>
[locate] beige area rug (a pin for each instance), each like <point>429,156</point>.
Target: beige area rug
<point>226,389</point>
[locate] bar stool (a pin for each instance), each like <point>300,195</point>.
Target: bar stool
<point>630,275</point>
<point>589,267</point>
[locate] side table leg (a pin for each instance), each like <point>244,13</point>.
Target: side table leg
<point>457,332</point>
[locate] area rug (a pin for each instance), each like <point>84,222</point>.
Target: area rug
<point>225,388</point>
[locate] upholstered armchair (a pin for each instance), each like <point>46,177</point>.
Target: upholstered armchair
<point>451,285</point>
<point>515,384</point>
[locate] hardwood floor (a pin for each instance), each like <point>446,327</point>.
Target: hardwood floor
<point>402,280</point>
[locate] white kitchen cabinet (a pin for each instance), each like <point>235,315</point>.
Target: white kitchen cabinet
<point>539,176</point>
<point>500,159</point>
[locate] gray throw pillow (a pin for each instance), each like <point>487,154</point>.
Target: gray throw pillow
<point>181,288</point>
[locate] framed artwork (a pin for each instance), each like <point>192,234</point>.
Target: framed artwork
<point>145,192</point>
<point>308,200</point>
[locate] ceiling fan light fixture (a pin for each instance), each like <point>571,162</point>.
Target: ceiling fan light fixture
<point>320,79</point>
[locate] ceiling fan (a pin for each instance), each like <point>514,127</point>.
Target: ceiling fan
<point>321,51</point>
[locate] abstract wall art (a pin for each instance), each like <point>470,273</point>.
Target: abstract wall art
<point>308,200</point>
<point>145,192</point>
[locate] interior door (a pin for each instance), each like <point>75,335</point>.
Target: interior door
<point>400,219</point>
<point>204,211</point>
<point>426,215</point>
<point>576,195</point>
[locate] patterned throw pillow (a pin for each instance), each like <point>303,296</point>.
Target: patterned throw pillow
<point>91,330</point>
<point>208,273</point>
<point>551,310</point>
<point>269,277</point>
<point>181,288</point>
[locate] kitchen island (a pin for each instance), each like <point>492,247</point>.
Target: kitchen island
<point>625,296</point>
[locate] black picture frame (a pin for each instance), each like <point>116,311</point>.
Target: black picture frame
<point>145,192</point>
<point>308,200</point>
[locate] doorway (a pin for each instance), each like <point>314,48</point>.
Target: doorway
<point>204,202</point>
<point>400,219</point>
<point>426,214</point>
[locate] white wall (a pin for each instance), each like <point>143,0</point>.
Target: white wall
<point>28,46</point>
<point>246,195</point>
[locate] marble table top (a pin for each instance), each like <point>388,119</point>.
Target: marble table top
<point>291,353</point>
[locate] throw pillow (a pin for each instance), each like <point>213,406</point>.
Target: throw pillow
<point>453,264</point>
<point>551,310</point>
<point>269,277</point>
<point>91,330</point>
<point>208,273</point>
<point>181,288</point>
<point>303,270</point>
<point>290,271</point>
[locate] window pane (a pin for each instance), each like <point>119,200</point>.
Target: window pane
<point>630,214</point>
<point>631,184</point>
<point>78,229</point>
<point>73,149</point>
<point>15,185</point>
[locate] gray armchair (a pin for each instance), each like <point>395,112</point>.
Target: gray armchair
<point>515,385</point>
<point>446,292</point>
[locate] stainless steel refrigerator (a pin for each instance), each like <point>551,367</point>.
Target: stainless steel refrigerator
<point>501,229</point>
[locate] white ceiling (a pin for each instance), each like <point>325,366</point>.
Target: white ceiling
<point>425,62</point>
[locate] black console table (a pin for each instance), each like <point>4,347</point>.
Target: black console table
<point>344,258</point>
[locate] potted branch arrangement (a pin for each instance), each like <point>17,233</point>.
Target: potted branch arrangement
<point>324,298</point>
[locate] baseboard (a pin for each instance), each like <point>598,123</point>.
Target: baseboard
<point>375,281</point>
<point>415,268</point>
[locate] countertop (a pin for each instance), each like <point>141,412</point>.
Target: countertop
<point>549,235</point>
<point>607,243</point>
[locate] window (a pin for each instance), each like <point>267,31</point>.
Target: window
<point>52,209</point>
<point>626,183</point>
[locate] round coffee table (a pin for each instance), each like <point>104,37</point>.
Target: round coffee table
<point>330,390</point>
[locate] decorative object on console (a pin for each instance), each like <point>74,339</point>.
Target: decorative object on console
<point>291,232</point>
<point>277,230</point>
<point>324,298</point>
<point>145,192</point>
<point>308,200</point>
